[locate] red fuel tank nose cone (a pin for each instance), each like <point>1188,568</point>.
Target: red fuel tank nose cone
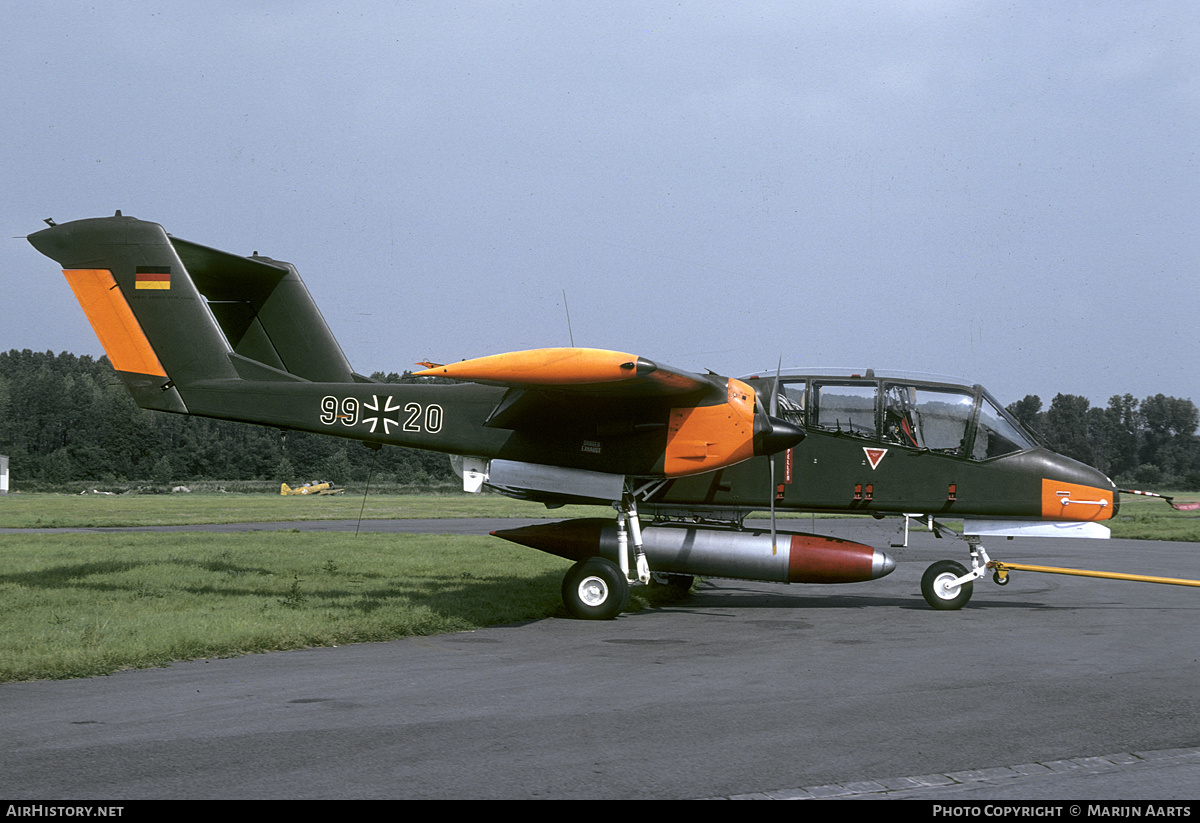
<point>572,539</point>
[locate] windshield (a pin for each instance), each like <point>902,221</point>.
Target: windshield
<point>996,433</point>
<point>956,420</point>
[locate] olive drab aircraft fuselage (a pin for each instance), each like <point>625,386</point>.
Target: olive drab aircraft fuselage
<point>193,330</point>
<point>891,445</point>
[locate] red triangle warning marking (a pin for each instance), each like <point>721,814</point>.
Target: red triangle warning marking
<point>874,456</point>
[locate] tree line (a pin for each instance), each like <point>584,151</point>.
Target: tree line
<point>67,418</point>
<point>1150,442</point>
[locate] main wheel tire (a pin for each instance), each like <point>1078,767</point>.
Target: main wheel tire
<point>937,589</point>
<point>595,589</point>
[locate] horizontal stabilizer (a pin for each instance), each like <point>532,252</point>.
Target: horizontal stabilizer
<point>266,312</point>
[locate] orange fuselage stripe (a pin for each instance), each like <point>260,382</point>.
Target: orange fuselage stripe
<point>120,334</point>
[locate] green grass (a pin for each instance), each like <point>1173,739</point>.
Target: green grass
<point>1145,518</point>
<point>87,604</point>
<point>80,605</point>
<point>1140,518</point>
<point>25,511</point>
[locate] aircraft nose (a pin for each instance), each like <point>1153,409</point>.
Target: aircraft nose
<point>1074,491</point>
<point>776,436</point>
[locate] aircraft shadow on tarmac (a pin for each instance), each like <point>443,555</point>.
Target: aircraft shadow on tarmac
<point>728,594</point>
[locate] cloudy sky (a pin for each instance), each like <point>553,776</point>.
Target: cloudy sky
<point>1005,191</point>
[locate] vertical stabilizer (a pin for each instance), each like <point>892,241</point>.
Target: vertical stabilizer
<point>173,314</point>
<point>155,327</point>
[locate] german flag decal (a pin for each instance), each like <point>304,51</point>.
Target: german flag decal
<point>152,277</point>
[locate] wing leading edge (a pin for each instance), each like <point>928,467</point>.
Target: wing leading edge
<point>707,421</point>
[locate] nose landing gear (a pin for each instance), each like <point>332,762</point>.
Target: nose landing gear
<point>947,585</point>
<point>943,588</point>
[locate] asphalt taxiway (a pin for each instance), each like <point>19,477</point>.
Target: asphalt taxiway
<point>1048,688</point>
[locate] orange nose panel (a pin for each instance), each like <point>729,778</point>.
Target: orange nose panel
<point>1071,501</point>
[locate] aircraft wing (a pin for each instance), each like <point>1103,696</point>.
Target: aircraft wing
<point>615,392</point>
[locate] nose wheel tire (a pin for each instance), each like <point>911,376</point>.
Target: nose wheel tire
<point>939,590</point>
<point>595,589</point>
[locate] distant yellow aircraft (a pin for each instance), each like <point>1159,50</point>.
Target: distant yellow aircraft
<point>309,488</point>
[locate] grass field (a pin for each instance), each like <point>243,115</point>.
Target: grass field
<point>76,605</point>
<point>1140,518</point>
<point>84,604</point>
<point>32,511</point>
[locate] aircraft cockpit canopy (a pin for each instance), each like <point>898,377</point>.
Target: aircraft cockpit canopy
<point>950,419</point>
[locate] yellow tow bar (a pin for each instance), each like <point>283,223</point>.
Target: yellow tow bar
<point>1002,570</point>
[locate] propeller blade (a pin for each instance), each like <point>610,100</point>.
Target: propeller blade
<point>774,407</point>
<point>774,415</point>
<point>773,542</point>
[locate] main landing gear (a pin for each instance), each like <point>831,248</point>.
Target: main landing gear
<point>597,588</point>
